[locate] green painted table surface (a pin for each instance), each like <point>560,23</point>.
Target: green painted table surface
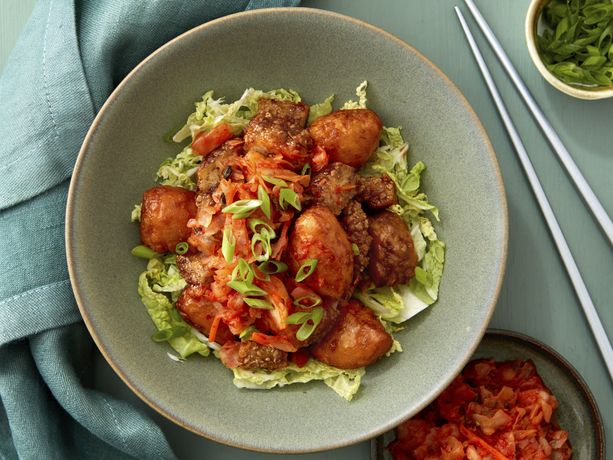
<point>537,298</point>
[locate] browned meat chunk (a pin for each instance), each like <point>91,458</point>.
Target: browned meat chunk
<point>251,355</point>
<point>317,234</point>
<point>377,192</point>
<point>200,312</point>
<point>216,165</point>
<point>278,128</point>
<point>392,254</point>
<point>359,339</point>
<point>348,136</point>
<point>164,214</point>
<point>333,187</point>
<point>194,269</point>
<point>355,221</point>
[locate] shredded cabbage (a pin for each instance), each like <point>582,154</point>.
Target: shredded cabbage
<point>159,287</point>
<point>135,215</point>
<point>345,382</point>
<point>360,92</point>
<point>399,303</point>
<point>210,112</point>
<point>180,170</point>
<point>321,109</point>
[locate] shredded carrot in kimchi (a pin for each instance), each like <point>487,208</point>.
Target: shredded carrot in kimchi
<point>491,411</point>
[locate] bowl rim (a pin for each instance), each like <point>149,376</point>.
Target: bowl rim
<point>72,198</point>
<point>532,17</point>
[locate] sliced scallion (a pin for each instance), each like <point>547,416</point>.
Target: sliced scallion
<point>298,317</point>
<point>288,196</point>
<point>258,303</point>
<point>144,252</point>
<point>275,181</point>
<point>306,270</point>
<point>575,41</point>
<point>242,208</point>
<point>309,321</point>
<point>265,201</point>
<point>246,289</point>
<point>181,248</point>
<point>306,170</point>
<point>271,267</point>
<point>246,333</point>
<point>254,225</point>
<point>242,271</point>
<point>263,237</point>
<point>228,244</point>
<point>307,301</point>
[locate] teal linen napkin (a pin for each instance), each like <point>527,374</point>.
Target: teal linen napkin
<point>67,61</point>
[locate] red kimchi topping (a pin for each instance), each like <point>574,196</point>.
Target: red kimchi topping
<point>491,411</point>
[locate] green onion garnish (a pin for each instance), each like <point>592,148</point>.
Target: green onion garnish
<point>576,44</point>
<point>265,201</point>
<point>144,252</point>
<point>270,267</point>
<point>306,170</point>
<point>246,289</point>
<point>242,208</point>
<point>181,248</point>
<point>261,276</point>
<point>306,270</point>
<point>307,301</point>
<point>255,223</point>
<point>309,321</point>
<point>246,333</point>
<point>275,181</point>
<point>242,271</point>
<point>355,249</point>
<point>288,196</point>
<point>258,303</point>
<point>228,244</point>
<point>263,237</point>
<point>298,317</point>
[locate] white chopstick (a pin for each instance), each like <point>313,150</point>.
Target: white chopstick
<point>584,188</point>
<point>569,262</point>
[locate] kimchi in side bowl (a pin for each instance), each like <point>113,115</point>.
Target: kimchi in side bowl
<point>316,53</point>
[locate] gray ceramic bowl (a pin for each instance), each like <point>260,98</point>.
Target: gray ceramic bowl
<point>317,53</point>
<point>577,411</point>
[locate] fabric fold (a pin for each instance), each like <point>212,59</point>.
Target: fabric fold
<point>46,107</point>
<point>68,59</point>
<point>33,307</point>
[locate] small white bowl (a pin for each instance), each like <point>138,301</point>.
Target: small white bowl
<point>534,12</point>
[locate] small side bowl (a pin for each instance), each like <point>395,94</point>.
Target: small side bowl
<point>532,17</point>
<point>577,412</point>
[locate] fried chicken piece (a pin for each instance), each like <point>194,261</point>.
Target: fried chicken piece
<point>355,222</point>
<point>333,187</point>
<point>359,339</point>
<point>377,192</point>
<point>165,211</point>
<point>251,355</point>
<point>392,254</point>
<point>278,129</point>
<point>348,136</point>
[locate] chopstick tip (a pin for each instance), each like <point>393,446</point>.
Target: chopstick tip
<point>458,12</point>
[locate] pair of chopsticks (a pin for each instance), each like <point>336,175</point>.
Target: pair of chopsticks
<point>583,187</point>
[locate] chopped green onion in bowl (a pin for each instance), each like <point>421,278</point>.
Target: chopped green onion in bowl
<point>575,42</point>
